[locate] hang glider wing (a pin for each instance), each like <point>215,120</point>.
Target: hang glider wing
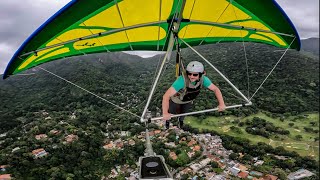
<point>84,27</point>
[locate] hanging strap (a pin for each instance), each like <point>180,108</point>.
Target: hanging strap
<point>178,59</point>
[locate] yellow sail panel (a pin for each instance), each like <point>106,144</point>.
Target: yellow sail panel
<point>139,34</point>
<point>205,10</point>
<point>34,57</point>
<point>195,31</point>
<point>259,37</point>
<point>227,33</point>
<point>166,8</point>
<point>132,15</point>
<point>232,13</point>
<point>275,38</point>
<point>100,19</point>
<point>53,42</point>
<point>54,53</point>
<point>188,9</point>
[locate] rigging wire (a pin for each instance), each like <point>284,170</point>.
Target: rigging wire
<point>223,76</point>
<point>245,52</point>
<point>88,91</point>
<point>122,22</point>
<point>87,54</point>
<point>272,69</point>
<point>216,21</point>
<point>194,2</point>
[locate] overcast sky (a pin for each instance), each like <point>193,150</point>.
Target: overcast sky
<point>18,19</point>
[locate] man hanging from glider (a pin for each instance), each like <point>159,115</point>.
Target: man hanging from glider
<point>179,97</point>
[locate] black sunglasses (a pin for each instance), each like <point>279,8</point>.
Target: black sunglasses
<point>195,75</point>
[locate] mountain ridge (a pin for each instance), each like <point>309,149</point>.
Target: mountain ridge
<point>310,45</point>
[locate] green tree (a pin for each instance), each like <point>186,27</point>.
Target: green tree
<point>298,137</point>
<point>182,159</point>
<point>214,164</point>
<point>234,156</point>
<point>280,173</point>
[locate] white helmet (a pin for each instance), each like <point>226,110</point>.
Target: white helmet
<point>195,66</point>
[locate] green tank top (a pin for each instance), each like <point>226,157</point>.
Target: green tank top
<point>179,83</point>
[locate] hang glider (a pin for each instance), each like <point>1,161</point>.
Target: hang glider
<point>84,27</point>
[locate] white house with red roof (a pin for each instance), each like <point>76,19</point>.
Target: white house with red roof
<point>38,153</point>
<point>41,136</point>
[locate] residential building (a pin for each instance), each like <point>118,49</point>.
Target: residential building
<point>243,175</point>
<point>41,136</point>
<point>109,146</point>
<point>186,171</point>
<point>195,167</point>
<point>5,176</point>
<point>38,153</point>
<point>191,154</point>
<point>3,167</point>
<point>234,170</point>
<point>113,173</point>
<point>192,142</point>
<point>131,142</point>
<point>205,162</point>
<point>242,167</point>
<point>55,132</point>
<point>270,177</point>
<point>124,133</point>
<point>173,155</point>
<point>171,144</point>
<point>71,137</point>
<point>196,148</point>
<point>301,173</point>
<point>256,173</point>
<point>218,177</point>
<point>259,162</point>
<point>15,149</point>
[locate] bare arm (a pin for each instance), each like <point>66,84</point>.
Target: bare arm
<point>219,97</point>
<point>165,102</point>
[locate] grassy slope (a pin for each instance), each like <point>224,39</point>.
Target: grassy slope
<point>306,146</point>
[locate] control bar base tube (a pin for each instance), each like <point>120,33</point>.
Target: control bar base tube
<point>149,150</point>
<point>203,111</point>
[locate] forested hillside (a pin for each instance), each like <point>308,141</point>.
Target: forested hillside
<point>36,103</point>
<point>126,80</point>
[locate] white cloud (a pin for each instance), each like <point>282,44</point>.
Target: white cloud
<point>19,20</point>
<point>304,14</point>
<point>6,51</point>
